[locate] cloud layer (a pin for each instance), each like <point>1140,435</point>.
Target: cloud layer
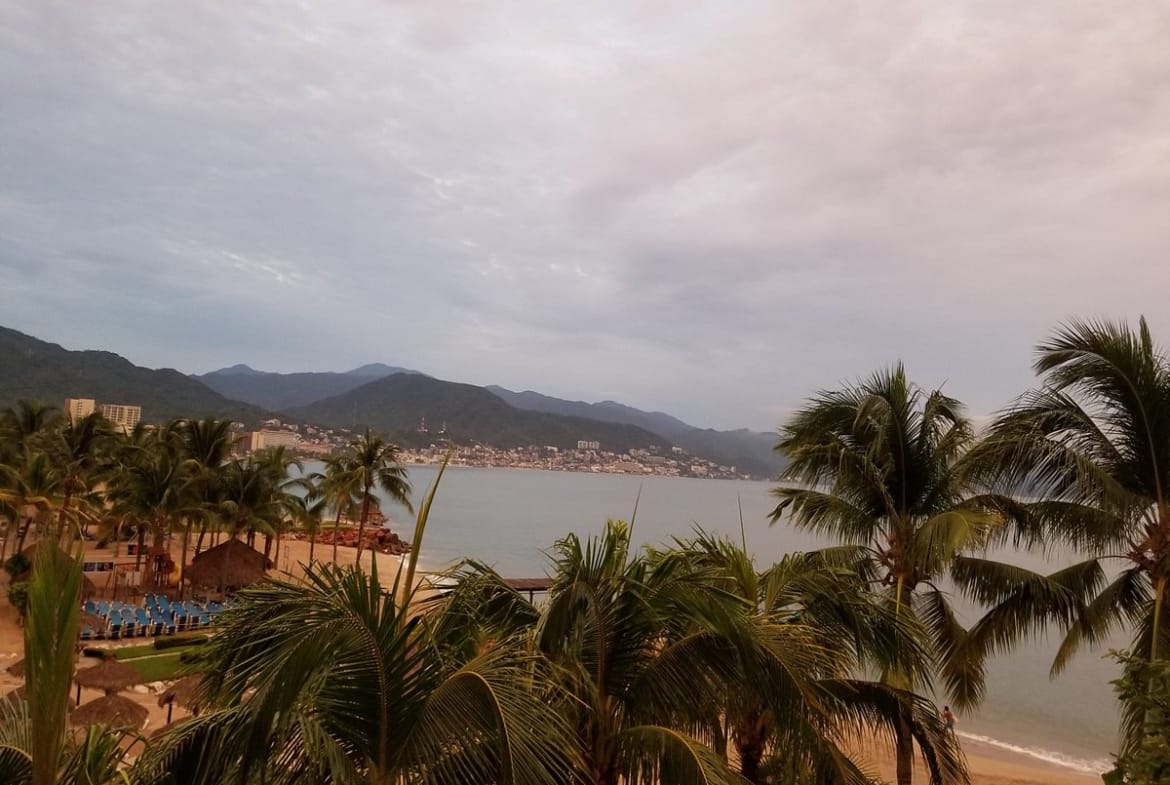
<point>712,212</point>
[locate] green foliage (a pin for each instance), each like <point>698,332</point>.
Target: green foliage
<point>18,596</point>
<point>178,641</point>
<point>1144,688</point>
<point>16,565</point>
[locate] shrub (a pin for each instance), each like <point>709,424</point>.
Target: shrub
<point>18,596</point>
<point>1145,685</point>
<point>17,564</point>
<point>177,641</point>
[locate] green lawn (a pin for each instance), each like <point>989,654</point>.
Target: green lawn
<point>133,652</point>
<point>160,667</point>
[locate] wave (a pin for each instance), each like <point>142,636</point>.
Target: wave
<point>1094,766</point>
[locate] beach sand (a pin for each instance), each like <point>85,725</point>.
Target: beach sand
<point>988,765</point>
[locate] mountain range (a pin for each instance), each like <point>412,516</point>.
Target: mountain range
<point>32,369</point>
<point>387,398</point>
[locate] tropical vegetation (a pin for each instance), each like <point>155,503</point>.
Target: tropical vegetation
<point>682,663</point>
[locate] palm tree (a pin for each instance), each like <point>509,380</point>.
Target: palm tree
<point>340,489</point>
<point>645,646</point>
<point>877,466</point>
<point>150,487</point>
<point>81,450</point>
<point>373,463</point>
<point>790,730</point>
<point>342,682</point>
<point>206,445</point>
<point>1089,454</point>
<point>22,426</point>
<point>34,483</point>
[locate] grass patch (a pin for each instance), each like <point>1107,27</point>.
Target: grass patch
<point>134,652</point>
<point>159,667</point>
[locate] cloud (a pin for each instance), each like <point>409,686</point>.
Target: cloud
<point>712,213</point>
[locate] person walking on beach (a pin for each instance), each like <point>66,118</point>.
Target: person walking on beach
<point>948,718</point>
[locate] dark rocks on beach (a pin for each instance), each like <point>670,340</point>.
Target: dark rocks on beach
<point>381,540</point>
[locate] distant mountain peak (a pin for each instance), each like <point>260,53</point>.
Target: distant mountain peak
<point>376,371</point>
<point>239,369</point>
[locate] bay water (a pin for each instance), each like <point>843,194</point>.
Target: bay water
<point>509,518</point>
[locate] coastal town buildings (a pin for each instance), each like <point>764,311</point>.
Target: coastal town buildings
<point>262,440</point>
<point>76,408</point>
<point>122,416</point>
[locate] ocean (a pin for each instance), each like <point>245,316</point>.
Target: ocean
<point>509,518</point>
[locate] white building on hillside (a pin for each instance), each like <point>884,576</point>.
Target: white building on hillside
<point>76,408</point>
<point>123,416</point>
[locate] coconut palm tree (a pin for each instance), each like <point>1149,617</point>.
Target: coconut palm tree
<point>373,463</point>
<point>646,646</point>
<point>339,487</point>
<point>877,466</point>
<point>1088,455</point>
<point>785,729</point>
<point>150,487</point>
<point>81,449</point>
<point>206,445</point>
<point>35,483</point>
<point>23,426</point>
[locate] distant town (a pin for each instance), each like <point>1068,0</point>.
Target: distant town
<point>312,442</point>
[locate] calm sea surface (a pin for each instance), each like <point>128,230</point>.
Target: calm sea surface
<point>509,518</point>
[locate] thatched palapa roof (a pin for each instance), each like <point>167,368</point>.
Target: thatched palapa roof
<point>16,669</point>
<point>88,589</point>
<point>229,565</point>
<point>186,692</point>
<point>108,676</point>
<point>115,711</point>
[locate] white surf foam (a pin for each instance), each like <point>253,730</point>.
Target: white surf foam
<point>1097,766</point>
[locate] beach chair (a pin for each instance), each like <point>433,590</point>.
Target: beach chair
<point>89,607</point>
<point>143,621</point>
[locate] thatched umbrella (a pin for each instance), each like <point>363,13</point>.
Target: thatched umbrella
<point>229,565</point>
<point>88,589</point>
<point>115,711</point>
<point>109,676</point>
<point>186,692</point>
<point>16,669</point>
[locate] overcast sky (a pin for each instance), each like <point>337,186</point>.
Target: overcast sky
<point>711,212</point>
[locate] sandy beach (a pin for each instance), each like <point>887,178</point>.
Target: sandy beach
<point>988,765</point>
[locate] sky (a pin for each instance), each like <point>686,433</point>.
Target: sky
<point>712,209</point>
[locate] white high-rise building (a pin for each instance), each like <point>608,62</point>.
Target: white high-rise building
<point>262,440</point>
<point>76,408</point>
<point>123,416</point>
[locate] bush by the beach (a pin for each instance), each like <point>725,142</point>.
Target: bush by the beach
<point>18,596</point>
<point>1144,689</point>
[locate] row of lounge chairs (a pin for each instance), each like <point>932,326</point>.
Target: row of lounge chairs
<point>158,616</point>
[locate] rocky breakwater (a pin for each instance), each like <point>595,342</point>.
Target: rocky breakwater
<point>378,539</point>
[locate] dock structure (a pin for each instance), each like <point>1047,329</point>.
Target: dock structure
<point>530,586</point>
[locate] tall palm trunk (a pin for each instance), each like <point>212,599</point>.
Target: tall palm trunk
<point>23,533</point>
<point>336,527</point>
<point>362,525</point>
<point>199,540</point>
<point>904,750</point>
<point>183,558</point>
<point>750,742</point>
<point>312,545</point>
<point>141,546</point>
